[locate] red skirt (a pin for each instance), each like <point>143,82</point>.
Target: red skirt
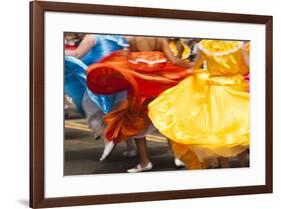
<point>144,75</point>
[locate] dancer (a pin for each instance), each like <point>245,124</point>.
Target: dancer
<point>91,49</point>
<point>207,114</point>
<point>180,49</point>
<point>146,70</point>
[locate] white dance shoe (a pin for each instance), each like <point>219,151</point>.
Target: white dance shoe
<point>179,163</point>
<point>109,147</point>
<point>138,169</point>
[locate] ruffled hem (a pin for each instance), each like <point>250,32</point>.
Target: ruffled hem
<point>219,48</point>
<point>206,118</point>
<point>114,74</point>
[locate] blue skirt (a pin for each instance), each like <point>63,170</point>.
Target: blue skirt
<point>75,86</point>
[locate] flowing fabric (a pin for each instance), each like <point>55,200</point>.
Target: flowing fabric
<point>208,113</point>
<point>105,44</point>
<point>183,152</point>
<point>75,86</point>
<point>144,75</point>
<point>75,72</point>
<point>74,80</point>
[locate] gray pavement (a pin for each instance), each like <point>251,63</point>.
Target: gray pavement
<point>82,152</point>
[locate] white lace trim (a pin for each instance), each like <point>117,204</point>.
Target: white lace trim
<point>136,61</point>
<point>203,49</point>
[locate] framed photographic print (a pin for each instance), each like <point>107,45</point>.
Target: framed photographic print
<point>138,104</point>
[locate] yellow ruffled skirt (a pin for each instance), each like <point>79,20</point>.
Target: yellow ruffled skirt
<point>208,115</point>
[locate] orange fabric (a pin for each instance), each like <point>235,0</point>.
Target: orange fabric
<point>125,121</point>
<point>190,159</point>
<point>143,81</point>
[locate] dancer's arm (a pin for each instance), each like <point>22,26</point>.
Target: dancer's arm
<point>180,49</point>
<point>170,56</point>
<point>86,44</point>
<point>198,60</point>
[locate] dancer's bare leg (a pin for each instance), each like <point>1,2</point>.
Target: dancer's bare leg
<point>144,163</point>
<point>142,151</point>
